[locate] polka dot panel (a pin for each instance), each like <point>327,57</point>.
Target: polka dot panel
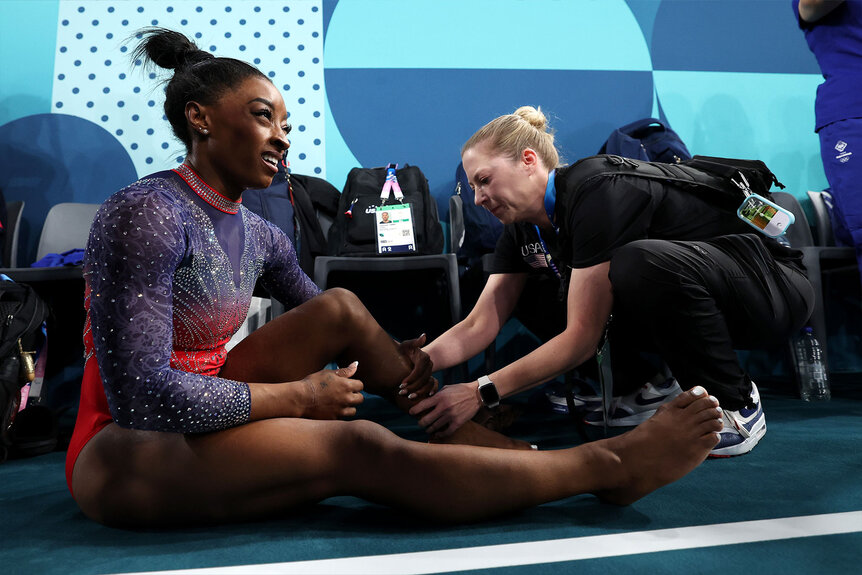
<point>95,79</point>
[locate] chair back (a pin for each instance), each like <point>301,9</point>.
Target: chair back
<point>14,211</point>
<point>403,293</point>
<point>325,220</point>
<point>456,223</point>
<point>67,227</point>
<point>822,221</point>
<point>798,234</point>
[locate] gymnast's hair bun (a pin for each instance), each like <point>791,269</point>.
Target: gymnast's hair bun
<point>168,49</point>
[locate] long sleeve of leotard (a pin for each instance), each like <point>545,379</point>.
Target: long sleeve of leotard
<point>141,237</point>
<point>282,276</point>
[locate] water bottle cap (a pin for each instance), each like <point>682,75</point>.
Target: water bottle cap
<point>809,329</point>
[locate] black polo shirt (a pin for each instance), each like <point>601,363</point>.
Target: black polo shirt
<point>603,215</point>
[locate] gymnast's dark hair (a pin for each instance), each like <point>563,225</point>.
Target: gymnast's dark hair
<point>198,75</point>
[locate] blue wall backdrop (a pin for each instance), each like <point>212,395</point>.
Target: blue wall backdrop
<point>374,81</point>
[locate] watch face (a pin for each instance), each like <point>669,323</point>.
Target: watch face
<point>489,394</point>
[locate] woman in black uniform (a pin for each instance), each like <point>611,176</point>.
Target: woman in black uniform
<point>681,277</point>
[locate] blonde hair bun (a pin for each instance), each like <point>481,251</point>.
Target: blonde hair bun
<point>533,116</point>
<point>511,134</point>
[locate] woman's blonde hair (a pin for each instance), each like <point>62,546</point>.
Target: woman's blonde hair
<point>511,134</point>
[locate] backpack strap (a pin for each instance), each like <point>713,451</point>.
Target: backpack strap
<point>716,185</point>
<point>754,171</point>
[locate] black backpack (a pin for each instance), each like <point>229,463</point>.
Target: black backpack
<point>720,181</point>
<point>23,312</point>
<point>293,202</point>
<point>649,139</point>
<point>354,231</point>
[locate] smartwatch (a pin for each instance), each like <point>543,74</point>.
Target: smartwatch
<point>488,394</point>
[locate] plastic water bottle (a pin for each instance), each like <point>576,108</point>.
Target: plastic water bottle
<point>813,380</point>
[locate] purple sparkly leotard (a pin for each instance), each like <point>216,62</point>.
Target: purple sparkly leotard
<point>170,267</point>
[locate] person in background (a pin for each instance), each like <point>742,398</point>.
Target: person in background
<point>173,430</point>
<point>682,278</point>
<point>833,29</point>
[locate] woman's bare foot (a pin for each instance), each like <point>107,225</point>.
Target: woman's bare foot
<point>471,433</point>
<point>662,449</point>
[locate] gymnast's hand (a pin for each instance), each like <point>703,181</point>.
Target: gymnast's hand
<point>332,394</point>
<point>418,383</point>
<point>449,409</point>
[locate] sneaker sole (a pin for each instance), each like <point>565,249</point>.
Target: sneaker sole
<point>627,421</point>
<point>740,448</point>
<point>639,417</point>
<point>559,404</point>
<point>557,408</point>
<point>564,409</point>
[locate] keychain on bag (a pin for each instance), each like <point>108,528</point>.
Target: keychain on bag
<point>761,214</point>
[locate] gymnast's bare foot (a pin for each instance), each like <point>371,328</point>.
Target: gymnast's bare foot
<point>662,449</point>
<point>471,433</point>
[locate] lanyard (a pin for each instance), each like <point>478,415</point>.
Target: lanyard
<point>391,185</point>
<point>547,254</point>
<point>550,204</point>
<point>551,198</point>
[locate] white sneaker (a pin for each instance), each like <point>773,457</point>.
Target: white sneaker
<point>637,407</point>
<point>583,402</point>
<point>742,428</point>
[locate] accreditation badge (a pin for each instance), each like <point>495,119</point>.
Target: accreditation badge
<point>395,229</point>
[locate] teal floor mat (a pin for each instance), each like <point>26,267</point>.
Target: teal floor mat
<point>809,463</point>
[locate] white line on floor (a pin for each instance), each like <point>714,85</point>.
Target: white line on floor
<point>553,551</point>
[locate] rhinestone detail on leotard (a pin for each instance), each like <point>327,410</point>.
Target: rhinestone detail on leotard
<point>206,193</point>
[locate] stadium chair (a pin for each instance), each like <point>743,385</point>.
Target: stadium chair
<point>814,256</point>
<point>14,211</point>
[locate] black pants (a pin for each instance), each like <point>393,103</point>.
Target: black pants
<point>540,308</point>
<point>694,302</point>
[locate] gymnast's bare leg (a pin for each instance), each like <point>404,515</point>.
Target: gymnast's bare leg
<point>335,326</point>
<point>274,464</point>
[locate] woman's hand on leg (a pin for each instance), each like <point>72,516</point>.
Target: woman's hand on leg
<point>332,394</point>
<point>418,383</point>
<point>451,408</point>
<point>326,394</point>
